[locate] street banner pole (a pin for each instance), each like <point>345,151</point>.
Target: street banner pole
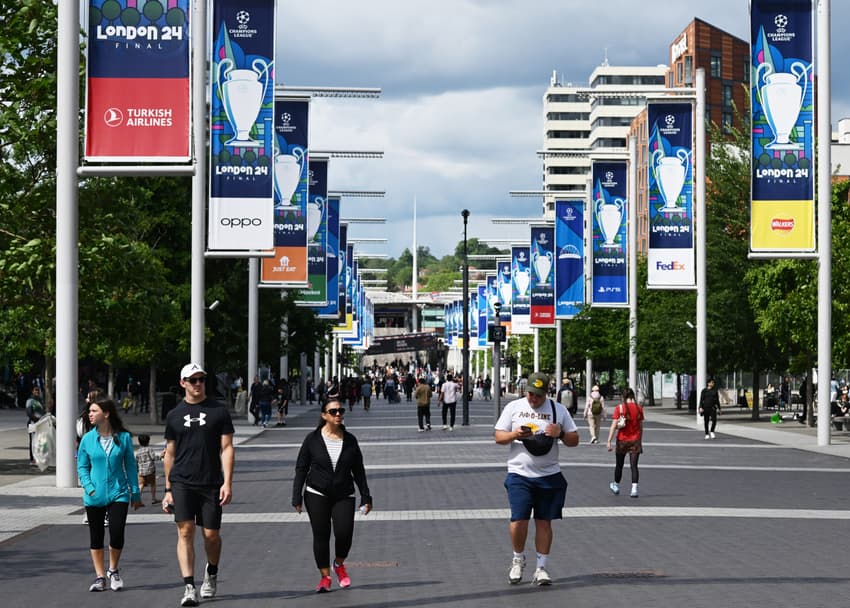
<point>699,191</point>
<point>632,236</point>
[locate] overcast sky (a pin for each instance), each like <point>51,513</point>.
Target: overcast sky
<point>461,116</point>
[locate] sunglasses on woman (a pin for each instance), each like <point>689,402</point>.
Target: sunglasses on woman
<point>334,411</point>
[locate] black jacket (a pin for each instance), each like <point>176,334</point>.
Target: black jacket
<point>709,400</point>
<point>314,469</point>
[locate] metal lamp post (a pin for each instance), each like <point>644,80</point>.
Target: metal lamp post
<point>465,402</point>
<point>497,336</point>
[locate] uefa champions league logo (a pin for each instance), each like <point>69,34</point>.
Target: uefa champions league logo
<point>285,118</point>
<point>781,22</point>
<point>609,175</point>
<point>670,120</point>
<point>242,18</point>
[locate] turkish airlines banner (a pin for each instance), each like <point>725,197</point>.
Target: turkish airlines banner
<point>542,251</point>
<point>520,283</point>
<point>609,234</point>
<point>241,214</point>
<point>331,309</point>
<point>670,260</point>
<point>569,261</point>
<point>138,86</point>
<point>289,266</point>
<point>316,293</point>
<point>783,121</point>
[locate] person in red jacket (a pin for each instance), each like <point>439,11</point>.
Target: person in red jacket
<point>629,440</point>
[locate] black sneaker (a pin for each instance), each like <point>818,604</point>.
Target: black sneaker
<point>99,584</point>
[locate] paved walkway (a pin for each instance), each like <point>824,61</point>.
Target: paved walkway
<point>754,517</point>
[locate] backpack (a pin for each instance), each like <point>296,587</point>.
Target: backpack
<point>596,407</point>
<point>566,398</point>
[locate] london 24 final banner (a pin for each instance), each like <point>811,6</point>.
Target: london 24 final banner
<point>331,309</point>
<point>783,146</point>
<point>569,261</point>
<point>138,90</point>
<point>241,208</point>
<point>609,243</point>
<point>542,249</point>
<point>521,281</point>
<point>288,267</point>
<point>670,257</point>
<point>315,294</point>
<point>505,291</point>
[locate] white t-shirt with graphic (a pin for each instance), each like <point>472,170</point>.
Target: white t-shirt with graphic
<point>518,413</point>
<point>449,390</point>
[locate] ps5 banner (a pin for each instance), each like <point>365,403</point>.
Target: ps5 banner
<point>783,121</point>
<point>542,276</point>
<point>138,86</point>
<point>610,210</point>
<point>520,280</point>
<point>241,209</point>
<point>569,262</point>
<point>670,259</point>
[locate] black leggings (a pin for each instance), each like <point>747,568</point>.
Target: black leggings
<point>323,512</point>
<point>424,415</point>
<point>709,415</point>
<point>449,407</point>
<point>117,520</point>
<point>621,460</point>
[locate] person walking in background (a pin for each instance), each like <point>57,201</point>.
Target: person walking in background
<point>35,410</point>
<point>423,404</point>
<point>566,396</point>
<point>146,458</point>
<point>265,395</point>
<point>594,412</point>
<point>366,392</point>
<point>199,459</point>
<point>106,466</point>
<point>629,440</point>
<point>709,407</point>
<point>328,466</point>
<point>281,401</point>
<point>533,426</point>
<point>448,397</point>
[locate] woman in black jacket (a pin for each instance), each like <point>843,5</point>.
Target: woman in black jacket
<point>330,463</point>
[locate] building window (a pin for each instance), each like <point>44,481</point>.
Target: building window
<point>689,70</point>
<point>726,118</point>
<point>563,97</point>
<point>679,76</point>
<point>727,95</point>
<point>716,66</point>
<point>746,70</point>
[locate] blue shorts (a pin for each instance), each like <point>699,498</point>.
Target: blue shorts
<point>545,495</point>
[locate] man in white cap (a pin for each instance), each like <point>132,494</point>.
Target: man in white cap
<point>198,476</point>
<point>533,427</point>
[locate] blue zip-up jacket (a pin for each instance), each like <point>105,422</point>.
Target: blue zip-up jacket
<point>107,479</point>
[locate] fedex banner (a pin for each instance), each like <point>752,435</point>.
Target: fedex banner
<point>670,259</point>
<point>289,265</point>
<point>241,214</point>
<point>542,276</point>
<point>520,283</point>
<point>609,242</point>
<point>783,121</point>
<point>569,263</point>
<point>138,86</point>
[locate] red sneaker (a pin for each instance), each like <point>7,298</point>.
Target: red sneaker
<point>324,585</point>
<point>342,575</point>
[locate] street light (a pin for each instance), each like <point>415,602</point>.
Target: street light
<point>465,402</point>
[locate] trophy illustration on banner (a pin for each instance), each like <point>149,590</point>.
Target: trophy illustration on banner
<point>242,93</point>
<point>609,216</point>
<point>314,217</point>
<point>542,265</point>
<point>505,288</point>
<point>287,173</point>
<point>522,277</point>
<point>781,96</point>
<point>670,172</point>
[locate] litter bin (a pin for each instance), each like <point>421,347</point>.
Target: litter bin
<point>165,403</point>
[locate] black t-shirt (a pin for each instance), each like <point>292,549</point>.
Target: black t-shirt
<point>196,430</point>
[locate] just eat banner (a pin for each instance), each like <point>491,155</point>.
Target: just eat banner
<point>137,86</point>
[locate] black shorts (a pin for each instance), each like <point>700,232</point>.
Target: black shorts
<point>199,503</point>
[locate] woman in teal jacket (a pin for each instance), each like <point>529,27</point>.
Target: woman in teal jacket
<point>106,466</point>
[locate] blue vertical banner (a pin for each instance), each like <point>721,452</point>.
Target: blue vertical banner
<point>291,164</point>
<point>331,309</point>
<point>472,320</point>
<point>542,250</point>
<point>609,248</point>
<point>569,261</point>
<point>316,292</point>
<point>241,206</point>
<point>505,289</point>
<point>520,287</point>
<point>492,289</point>
<point>783,123</point>
<point>343,260</point>
<point>481,311</point>
<point>670,259</point>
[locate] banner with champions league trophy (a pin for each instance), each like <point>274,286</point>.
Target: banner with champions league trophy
<point>241,206</point>
<point>670,258</point>
<point>542,250</point>
<point>521,281</point>
<point>609,211</point>
<point>504,287</point>
<point>315,294</point>
<point>331,309</point>
<point>569,261</point>
<point>783,122</point>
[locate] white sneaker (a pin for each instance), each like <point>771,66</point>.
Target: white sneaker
<point>444,427</point>
<point>210,584</point>
<point>190,596</point>
<point>515,573</point>
<point>421,430</point>
<point>615,489</point>
<point>712,434</point>
<point>541,577</point>
<point>634,492</point>
<point>115,582</point>
<point>451,428</point>
<point>708,436</point>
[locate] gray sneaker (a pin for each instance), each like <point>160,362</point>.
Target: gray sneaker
<point>515,573</point>
<point>208,589</point>
<point>115,582</point>
<point>99,584</point>
<point>190,596</point>
<point>614,487</point>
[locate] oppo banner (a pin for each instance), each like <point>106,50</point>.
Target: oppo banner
<point>137,87</point>
<point>520,283</point>
<point>609,255</point>
<point>331,309</point>
<point>241,216</point>
<point>542,251</point>
<point>569,263</point>
<point>289,266</point>
<point>316,293</point>
<point>783,146</point>
<point>504,286</point>
<point>670,258</point>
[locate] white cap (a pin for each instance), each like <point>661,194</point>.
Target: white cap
<point>191,369</point>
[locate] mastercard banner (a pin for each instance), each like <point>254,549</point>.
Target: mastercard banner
<point>138,86</point>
